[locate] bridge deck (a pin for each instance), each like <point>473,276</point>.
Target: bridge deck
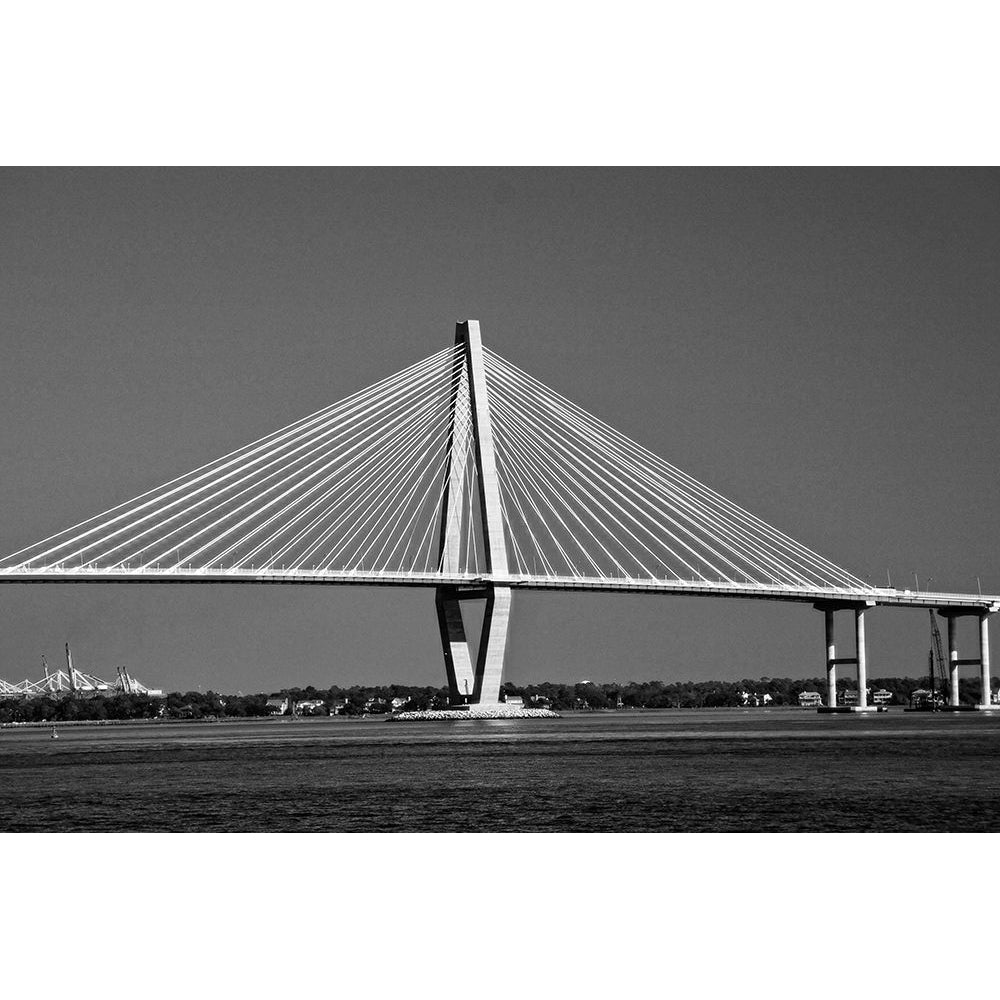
<point>872,597</point>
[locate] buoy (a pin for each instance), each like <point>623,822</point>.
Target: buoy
<point>55,735</point>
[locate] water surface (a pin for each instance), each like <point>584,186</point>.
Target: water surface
<point>725,770</point>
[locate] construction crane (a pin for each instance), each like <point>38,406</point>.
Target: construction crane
<point>936,654</point>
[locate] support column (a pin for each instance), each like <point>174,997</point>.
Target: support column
<point>831,661</point>
<point>457,659</point>
<point>859,660</point>
<point>492,646</point>
<point>984,658</point>
<point>952,660</point>
<point>859,626</point>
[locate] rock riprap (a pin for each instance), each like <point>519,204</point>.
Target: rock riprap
<point>474,712</point>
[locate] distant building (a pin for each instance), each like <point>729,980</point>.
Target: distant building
<point>337,706</point>
<point>923,697</point>
<point>515,700</point>
<point>850,697</point>
<point>397,703</point>
<point>276,706</point>
<point>810,699</point>
<point>881,697</point>
<point>313,706</point>
<point>540,701</point>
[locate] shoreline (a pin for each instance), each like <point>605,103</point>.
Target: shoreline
<point>446,714</point>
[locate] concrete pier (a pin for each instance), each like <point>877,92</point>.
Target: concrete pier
<point>831,660</point>
<point>479,683</point>
<point>492,646</point>
<point>457,658</point>
<point>860,658</point>
<point>984,661</point>
<point>953,699</point>
<point>859,633</point>
<point>956,662</point>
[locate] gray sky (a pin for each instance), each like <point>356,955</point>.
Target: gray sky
<point>817,345</point>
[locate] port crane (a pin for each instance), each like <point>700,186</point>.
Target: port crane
<point>74,681</point>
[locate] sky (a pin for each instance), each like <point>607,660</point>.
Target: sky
<point>817,345</point>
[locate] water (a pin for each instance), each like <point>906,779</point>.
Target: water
<point>727,770</point>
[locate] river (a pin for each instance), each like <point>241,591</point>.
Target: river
<point>723,770</point>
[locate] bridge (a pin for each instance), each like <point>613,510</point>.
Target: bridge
<point>465,474</point>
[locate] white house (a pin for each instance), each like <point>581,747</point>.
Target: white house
<point>312,706</point>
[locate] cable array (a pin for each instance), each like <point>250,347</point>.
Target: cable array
<point>582,500</point>
<point>386,482</point>
<point>355,487</point>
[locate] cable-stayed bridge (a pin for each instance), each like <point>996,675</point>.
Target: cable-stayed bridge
<point>465,474</point>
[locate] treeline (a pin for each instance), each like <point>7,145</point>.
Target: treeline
<point>81,709</point>
<point>361,700</point>
<point>355,700</point>
<point>713,694</point>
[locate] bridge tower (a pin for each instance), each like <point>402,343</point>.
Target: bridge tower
<point>472,682</point>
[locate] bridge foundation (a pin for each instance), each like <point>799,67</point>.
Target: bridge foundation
<point>859,660</point>
<point>955,662</point>
<point>457,658</point>
<point>477,684</point>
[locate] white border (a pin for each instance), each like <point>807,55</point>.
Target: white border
<point>606,915</point>
<point>544,82</point>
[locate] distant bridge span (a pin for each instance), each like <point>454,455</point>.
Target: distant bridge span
<point>465,474</point>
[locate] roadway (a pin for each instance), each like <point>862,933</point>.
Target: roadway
<point>873,597</point>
